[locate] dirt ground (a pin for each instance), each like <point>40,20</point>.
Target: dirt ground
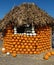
<point>24,59</point>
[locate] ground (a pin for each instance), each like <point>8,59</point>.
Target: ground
<point>24,59</point>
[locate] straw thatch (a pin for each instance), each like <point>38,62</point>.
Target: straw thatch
<point>26,14</point>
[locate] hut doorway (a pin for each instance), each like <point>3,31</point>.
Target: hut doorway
<point>53,37</point>
<point>21,29</point>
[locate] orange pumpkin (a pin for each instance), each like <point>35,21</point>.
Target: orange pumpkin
<point>20,49</point>
<point>10,51</point>
<point>13,49</point>
<point>25,43</point>
<point>30,41</point>
<point>38,52</point>
<point>17,49</point>
<point>14,37</point>
<point>30,52</point>
<point>35,52</point>
<point>25,38</point>
<point>16,46</point>
<point>19,46</point>
<point>27,46</point>
<point>14,54</point>
<point>49,54</point>
<point>17,37</point>
<point>52,52</point>
<point>24,50</point>
<point>33,39</point>
<point>46,57</point>
<point>13,43</point>
<point>12,40</point>
<point>22,46</point>
<point>31,47</point>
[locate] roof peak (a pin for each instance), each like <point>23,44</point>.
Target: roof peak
<point>26,3</point>
<point>29,3</point>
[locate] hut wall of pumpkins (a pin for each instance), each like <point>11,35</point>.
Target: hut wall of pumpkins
<point>28,44</point>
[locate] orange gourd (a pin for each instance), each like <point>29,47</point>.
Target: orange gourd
<point>24,50</point>
<point>22,46</point>
<point>10,51</point>
<point>49,54</point>
<point>23,41</point>
<point>30,52</point>
<point>46,57</point>
<point>31,46</point>
<point>27,46</point>
<point>17,49</point>
<point>35,52</point>
<point>13,49</point>
<point>26,38</point>
<point>19,46</point>
<point>14,37</point>
<point>52,52</point>
<point>14,54</point>
<point>16,46</point>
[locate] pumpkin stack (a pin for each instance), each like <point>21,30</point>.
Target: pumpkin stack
<point>27,44</point>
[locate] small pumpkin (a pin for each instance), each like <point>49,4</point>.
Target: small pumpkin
<point>27,46</point>
<point>52,52</point>
<point>46,57</point>
<point>31,47</point>
<point>31,52</point>
<point>35,52</point>
<point>22,46</point>
<point>49,54</point>
<point>14,54</point>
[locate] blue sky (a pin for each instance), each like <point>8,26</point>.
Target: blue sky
<point>7,5</point>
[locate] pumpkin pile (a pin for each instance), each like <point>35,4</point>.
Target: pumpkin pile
<point>25,44</point>
<point>48,54</point>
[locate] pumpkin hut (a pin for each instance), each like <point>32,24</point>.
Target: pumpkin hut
<point>27,29</point>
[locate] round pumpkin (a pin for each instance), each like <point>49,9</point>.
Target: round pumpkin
<point>46,57</point>
<point>27,46</point>
<point>52,52</point>
<point>35,52</point>
<point>14,54</point>
<point>49,54</point>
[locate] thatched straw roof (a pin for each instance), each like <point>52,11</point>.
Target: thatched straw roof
<point>26,14</point>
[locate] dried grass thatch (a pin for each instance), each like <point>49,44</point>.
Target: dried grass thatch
<point>26,14</point>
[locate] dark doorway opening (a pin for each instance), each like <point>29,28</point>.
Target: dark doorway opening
<point>21,29</point>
